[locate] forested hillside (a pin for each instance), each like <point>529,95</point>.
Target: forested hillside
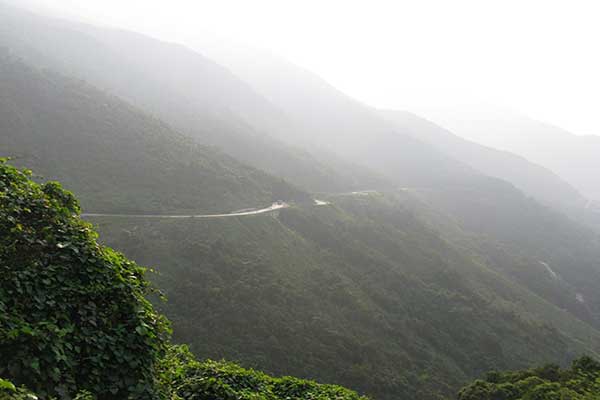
<point>579,382</point>
<point>75,321</point>
<point>359,293</point>
<point>562,255</point>
<point>116,158</point>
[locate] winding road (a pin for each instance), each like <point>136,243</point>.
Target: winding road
<point>273,207</point>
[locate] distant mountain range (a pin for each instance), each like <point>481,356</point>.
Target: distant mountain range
<point>434,259</point>
<point>539,182</point>
<point>401,145</point>
<point>575,158</point>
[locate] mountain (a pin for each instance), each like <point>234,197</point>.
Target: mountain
<point>544,250</point>
<point>115,157</point>
<point>574,158</point>
<point>76,322</point>
<point>410,291</point>
<point>530,178</point>
<point>193,94</point>
<point>364,292</point>
<point>327,118</point>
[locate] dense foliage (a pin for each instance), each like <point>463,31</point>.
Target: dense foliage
<point>9,391</point>
<point>73,314</point>
<point>580,382</point>
<point>189,379</point>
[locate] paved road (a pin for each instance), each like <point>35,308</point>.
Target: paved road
<point>273,207</point>
<point>240,213</point>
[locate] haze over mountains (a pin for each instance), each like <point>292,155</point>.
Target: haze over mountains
<point>323,110</point>
<point>191,93</point>
<point>430,260</point>
<point>575,158</point>
<point>534,179</point>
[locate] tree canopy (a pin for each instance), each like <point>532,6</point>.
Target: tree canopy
<point>550,382</point>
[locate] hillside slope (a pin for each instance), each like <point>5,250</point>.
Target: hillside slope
<point>532,179</point>
<point>403,150</point>
<point>76,324</point>
<point>196,96</point>
<point>556,257</point>
<point>115,157</point>
<point>574,158</point>
<point>359,293</point>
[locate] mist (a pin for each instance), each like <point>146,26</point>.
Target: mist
<point>335,200</point>
<point>533,57</point>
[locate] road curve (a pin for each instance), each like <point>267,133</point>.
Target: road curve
<point>273,207</point>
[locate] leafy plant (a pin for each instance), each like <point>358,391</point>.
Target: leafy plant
<point>73,314</point>
<point>188,379</point>
<point>580,382</point>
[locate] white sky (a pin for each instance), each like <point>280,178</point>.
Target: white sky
<point>540,57</point>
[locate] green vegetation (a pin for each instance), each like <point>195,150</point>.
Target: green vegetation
<point>191,93</point>
<point>190,379</point>
<point>523,240</point>
<point>580,382</point>
<point>403,295</point>
<point>8,391</point>
<point>74,316</point>
<point>114,157</point>
<point>360,293</point>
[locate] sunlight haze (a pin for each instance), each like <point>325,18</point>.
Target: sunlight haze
<point>537,57</point>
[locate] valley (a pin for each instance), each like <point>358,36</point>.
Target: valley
<point>164,205</point>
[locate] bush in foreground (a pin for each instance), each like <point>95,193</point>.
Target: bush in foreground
<point>189,379</point>
<point>73,314</point>
<point>580,382</point>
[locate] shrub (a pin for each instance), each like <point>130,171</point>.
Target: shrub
<point>73,314</point>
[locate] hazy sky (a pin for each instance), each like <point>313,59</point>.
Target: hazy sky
<point>540,57</point>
